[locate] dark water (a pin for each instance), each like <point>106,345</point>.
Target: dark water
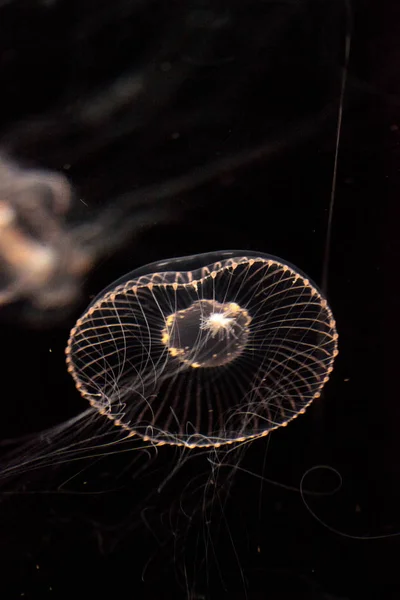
<point>242,99</point>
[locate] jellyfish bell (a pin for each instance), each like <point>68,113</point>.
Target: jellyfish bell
<point>204,350</point>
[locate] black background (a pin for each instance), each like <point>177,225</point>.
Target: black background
<point>228,77</point>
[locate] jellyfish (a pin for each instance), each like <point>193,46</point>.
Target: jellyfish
<point>204,350</point>
<point>197,357</point>
<point>40,262</point>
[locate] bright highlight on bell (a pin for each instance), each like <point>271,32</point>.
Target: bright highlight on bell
<point>208,333</point>
<point>205,350</point>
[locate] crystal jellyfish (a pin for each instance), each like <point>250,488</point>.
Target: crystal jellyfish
<point>204,350</point>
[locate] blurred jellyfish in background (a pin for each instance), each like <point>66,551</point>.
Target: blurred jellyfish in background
<point>40,263</point>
